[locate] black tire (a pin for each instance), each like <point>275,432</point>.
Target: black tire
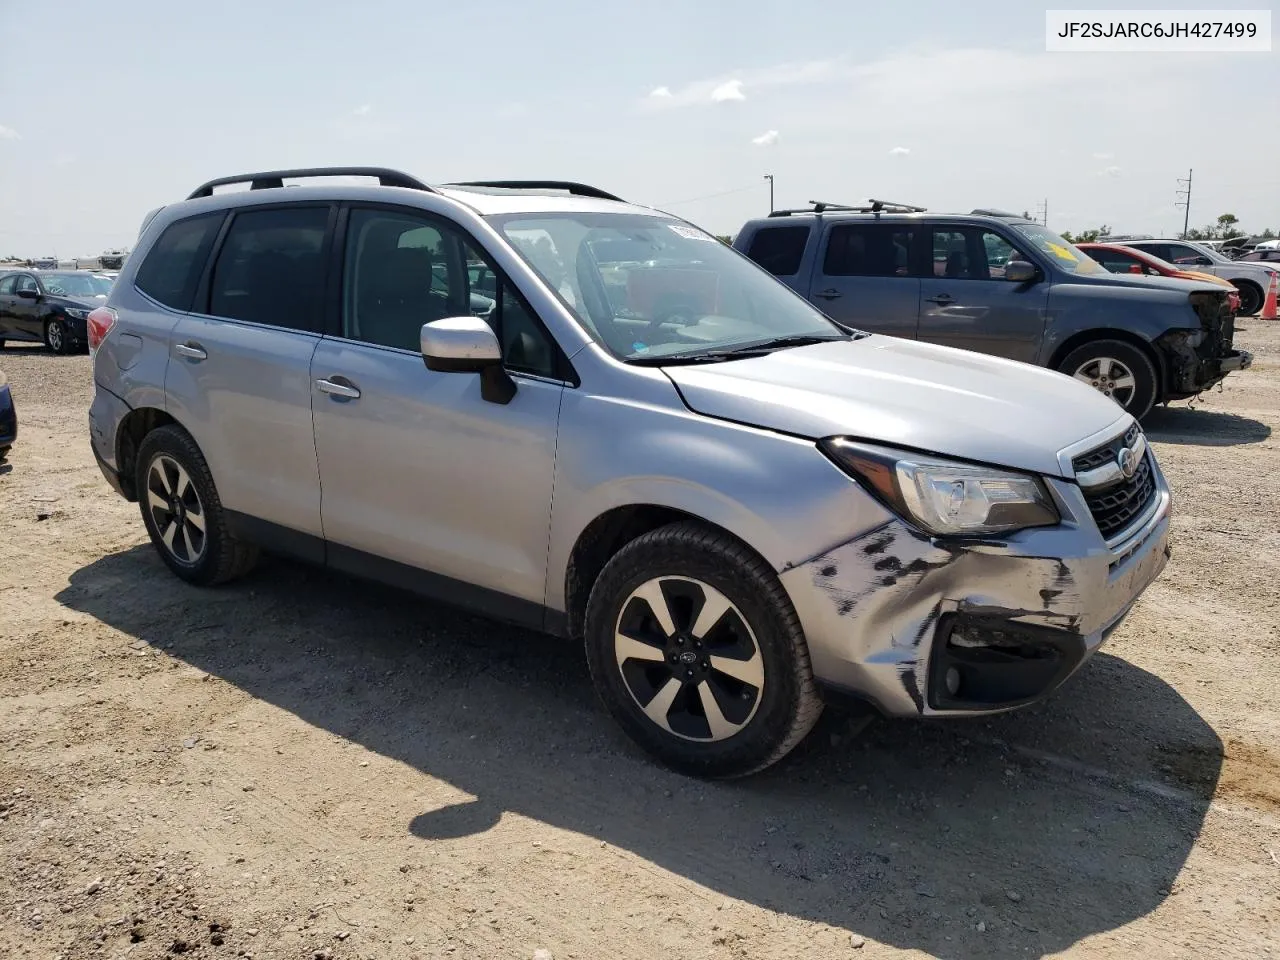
<point>1145,392</point>
<point>1251,297</point>
<point>1,344</point>
<point>56,337</point>
<point>220,557</point>
<point>783,708</point>
<point>4,454</point>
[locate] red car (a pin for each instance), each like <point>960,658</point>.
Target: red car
<point>1121,259</point>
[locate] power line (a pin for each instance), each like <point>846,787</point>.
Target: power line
<point>709,196</point>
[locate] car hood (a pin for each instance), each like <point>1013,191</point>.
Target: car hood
<point>908,394</point>
<point>88,303</point>
<point>1136,281</point>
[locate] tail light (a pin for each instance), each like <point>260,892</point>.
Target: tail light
<point>98,325</point>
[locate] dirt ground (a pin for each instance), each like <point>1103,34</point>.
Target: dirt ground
<point>302,766</point>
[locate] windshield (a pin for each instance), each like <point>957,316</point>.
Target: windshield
<point>1066,255</point>
<point>649,287</point>
<point>1209,252</point>
<point>75,284</point>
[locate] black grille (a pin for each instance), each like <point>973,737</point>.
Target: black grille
<point>1107,452</point>
<point>1116,506</point>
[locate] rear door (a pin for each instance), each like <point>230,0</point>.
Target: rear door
<point>965,301</point>
<point>864,279</point>
<point>239,377</point>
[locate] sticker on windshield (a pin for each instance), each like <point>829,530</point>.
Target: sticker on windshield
<point>689,233</point>
<point>1062,253</point>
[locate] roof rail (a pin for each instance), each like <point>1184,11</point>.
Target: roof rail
<point>575,189</point>
<point>268,179</point>
<point>992,212</point>
<point>871,206</point>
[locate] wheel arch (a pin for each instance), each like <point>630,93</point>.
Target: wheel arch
<point>1148,348</point>
<point>133,427</point>
<point>608,533</point>
<point>1240,283</point>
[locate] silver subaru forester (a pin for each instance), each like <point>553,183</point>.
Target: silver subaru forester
<point>592,418</point>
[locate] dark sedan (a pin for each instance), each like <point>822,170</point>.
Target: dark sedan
<point>49,307</point>
<point>8,419</point>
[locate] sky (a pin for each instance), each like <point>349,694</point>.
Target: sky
<point>108,111</point>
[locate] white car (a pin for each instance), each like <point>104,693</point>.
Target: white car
<point>1251,278</point>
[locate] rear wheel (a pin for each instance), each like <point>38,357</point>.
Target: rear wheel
<point>1251,298</point>
<point>55,336</point>
<point>1118,370</point>
<point>182,512</point>
<point>696,651</point>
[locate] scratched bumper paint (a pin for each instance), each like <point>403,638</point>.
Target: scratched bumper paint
<point>871,607</point>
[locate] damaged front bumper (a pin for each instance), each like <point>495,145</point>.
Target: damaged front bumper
<point>920,626</point>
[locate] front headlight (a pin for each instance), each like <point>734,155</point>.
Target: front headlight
<point>945,497</point>
<point>76,313</point>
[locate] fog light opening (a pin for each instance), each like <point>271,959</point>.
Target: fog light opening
<point>952,681</point>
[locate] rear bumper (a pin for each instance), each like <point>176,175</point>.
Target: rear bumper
<point>105,415</point>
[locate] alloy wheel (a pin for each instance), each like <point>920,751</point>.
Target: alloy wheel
<point>689,658</point>
<point>55,337</point>
<point>1110,377</point>
<point>176,510</point>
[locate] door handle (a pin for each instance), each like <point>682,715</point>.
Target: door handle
<point>338,390</point>
<point>942,299</point>
<point>192,351</point>
<point>831,293</point>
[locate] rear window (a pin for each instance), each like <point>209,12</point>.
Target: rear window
<point>779,249</point>
<point>172,268</point>
<point>271,268</point>
<point>869,250</point>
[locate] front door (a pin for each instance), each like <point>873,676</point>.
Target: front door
<point>967,303</point>
<point>239,373</point>
<point>427,484</point>
<point>863,277</point>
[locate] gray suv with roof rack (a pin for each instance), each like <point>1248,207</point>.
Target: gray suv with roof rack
<point>1000,284</point>
<point>594,419</point>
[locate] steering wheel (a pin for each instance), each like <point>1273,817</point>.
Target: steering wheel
<point>673,308</point>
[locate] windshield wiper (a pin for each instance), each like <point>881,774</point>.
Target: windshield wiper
<point>759,348</point>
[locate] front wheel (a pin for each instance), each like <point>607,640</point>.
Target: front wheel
<point>55,336</point>
<point>1118,370</point>
<point>697,652</point>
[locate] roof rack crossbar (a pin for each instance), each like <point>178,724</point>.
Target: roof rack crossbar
<point>569,186</point>
<point>270,179</point>
<point>871,206</point>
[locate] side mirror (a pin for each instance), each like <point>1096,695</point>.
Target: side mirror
<point>28,294</point>
<point>1019,271</point>
<point>467,345</point>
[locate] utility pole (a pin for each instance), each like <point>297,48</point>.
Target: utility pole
<point>769,177</point>
<point>1185,202</point>
<point>1044,212</point>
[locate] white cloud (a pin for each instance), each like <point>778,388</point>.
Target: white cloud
<point>8,133</point>
<point>660,93</point>
<point>363,110</point>
<point>900,151</point>
<point>729,90</point>
<point>1110,172</point>
<point>766,139</point>
<point>64,159</point>
<point>1104,156</point>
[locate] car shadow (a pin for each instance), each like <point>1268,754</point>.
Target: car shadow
<point>1046,826</point>
<point>1205,428</point>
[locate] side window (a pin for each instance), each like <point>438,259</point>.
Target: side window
<point>997,251</point>
<point>172,268</point>
<point>779,249</point>
<point>526,347</point>
<point>1179,253</point>
<point>869,250</point>
<point>270,269</point>
<point>1161,250</point>
<point>402,271</point>
<point>27,282</point>
<point>951,255</point>
<point>7,285</point>
<point>970,253</point>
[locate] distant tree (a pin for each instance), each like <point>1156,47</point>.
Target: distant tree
<point>1066,235</point>
<point>1092,235</point>
<point>1026,215</point>
<point>1201,233</point>
<point>1268,234</point>
<point>1227,226</point>
<point>725,239</point>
